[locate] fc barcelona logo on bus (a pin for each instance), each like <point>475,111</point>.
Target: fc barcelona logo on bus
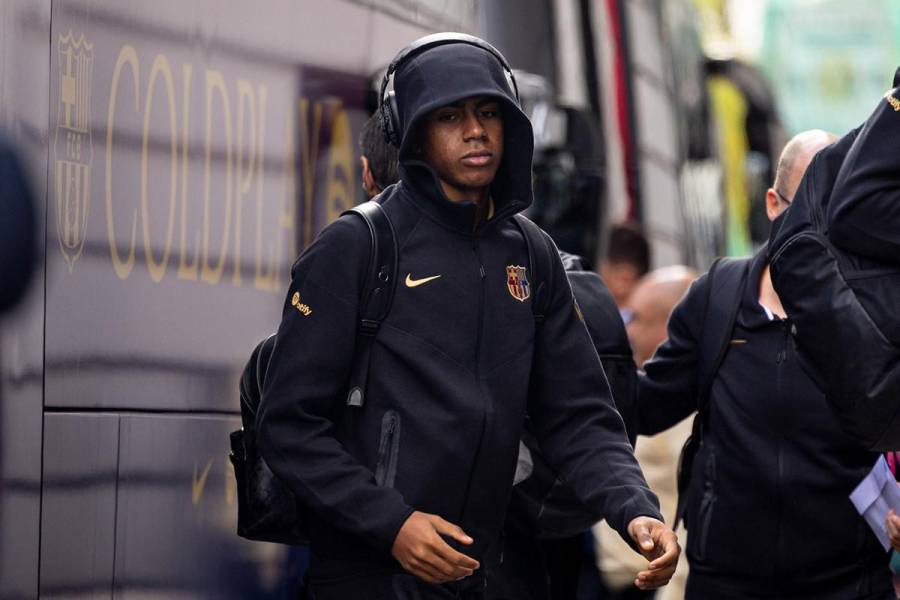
<point>73,149</point>
<point>517,283</point>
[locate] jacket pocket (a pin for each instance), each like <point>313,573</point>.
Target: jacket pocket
<point>388,449</point>
<point>705,511</point>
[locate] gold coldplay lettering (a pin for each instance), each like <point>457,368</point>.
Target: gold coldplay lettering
<point>222,214</point>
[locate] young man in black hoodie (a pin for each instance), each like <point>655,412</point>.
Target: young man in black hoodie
<point>418,479</point>
<point>542,551</point>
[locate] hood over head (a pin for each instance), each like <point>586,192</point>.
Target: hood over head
<point>449,73</point>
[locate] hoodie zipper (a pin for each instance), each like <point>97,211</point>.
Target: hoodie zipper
<point>482,276</point>
<point>780,359</point>
<point>481,281</point>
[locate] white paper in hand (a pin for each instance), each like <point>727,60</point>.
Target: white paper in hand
<point>874,496</point>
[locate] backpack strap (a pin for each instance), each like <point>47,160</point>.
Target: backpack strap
<point>377,294</point>
<point>724,289</point>
<point>540,257</point>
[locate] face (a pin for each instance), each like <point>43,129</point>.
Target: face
<point>463,143</point>
<point>646,324</point>
<point>620,278</point>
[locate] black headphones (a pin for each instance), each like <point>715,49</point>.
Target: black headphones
<point>387,102</point>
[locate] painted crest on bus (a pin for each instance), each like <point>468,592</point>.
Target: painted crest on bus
<point>73,149</point>
<point>517,283</point>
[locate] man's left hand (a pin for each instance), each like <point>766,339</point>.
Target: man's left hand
<point>660,546</point>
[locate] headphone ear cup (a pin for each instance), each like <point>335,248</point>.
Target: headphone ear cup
<point>385,119</point>
<point>393,119</point>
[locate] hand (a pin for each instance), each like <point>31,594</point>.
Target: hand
<point>660,546</point>
<point>892,521</point>
<point>420,549</point>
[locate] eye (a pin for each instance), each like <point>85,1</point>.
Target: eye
<point>446,116</point>
<point>490,111</point>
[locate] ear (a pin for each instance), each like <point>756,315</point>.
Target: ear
<point>773,204</point>
<point>368,180</point>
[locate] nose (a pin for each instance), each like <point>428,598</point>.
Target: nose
<point>474,130</point>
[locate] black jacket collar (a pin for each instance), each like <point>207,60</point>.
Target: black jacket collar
<point>420,185</point>
<point>752,314</point>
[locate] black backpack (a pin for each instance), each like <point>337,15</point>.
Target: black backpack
<point>837,273</point>
<point>267,509</point>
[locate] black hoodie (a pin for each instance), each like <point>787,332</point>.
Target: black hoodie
<point>455,366</point>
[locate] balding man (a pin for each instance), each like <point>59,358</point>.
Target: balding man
<point>767,506</point>
<point>649,306</point>
<point>647,311</point>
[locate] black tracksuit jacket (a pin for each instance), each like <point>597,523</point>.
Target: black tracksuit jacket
<point>455,366</point>
<point>768,511</point>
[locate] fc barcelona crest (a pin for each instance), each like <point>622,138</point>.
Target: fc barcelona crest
<point>73,149</point>
<point>517,283</point>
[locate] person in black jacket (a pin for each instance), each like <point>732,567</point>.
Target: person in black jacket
<point>542,549</point>
<point>835,263</point>
<point>378,159</point>
<point>768,512</point>
<point>417,481</point>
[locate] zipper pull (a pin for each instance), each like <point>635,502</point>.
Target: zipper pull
<point>481,270</point>
<point>782,353</point>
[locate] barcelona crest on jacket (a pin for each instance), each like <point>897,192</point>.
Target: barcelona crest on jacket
<point>517,283</point>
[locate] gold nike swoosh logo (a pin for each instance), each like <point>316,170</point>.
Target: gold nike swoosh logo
<point>410,282</point>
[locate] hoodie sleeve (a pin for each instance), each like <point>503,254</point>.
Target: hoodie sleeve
<point>864,215</point>
<point>667,388</point>
<point>575,419</point>
<point>307,374</point>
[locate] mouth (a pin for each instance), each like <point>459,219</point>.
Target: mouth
<point>478,158</point>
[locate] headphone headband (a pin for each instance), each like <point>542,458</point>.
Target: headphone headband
<point>387,103</point>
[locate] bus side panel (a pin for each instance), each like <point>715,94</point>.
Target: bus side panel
<point>24,77</point>
<point>175,525</point>
<point>81,454</point>
<point>194,149</point>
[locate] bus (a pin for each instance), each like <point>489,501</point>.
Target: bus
<point>183,153</point>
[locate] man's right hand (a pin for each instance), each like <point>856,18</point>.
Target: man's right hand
<point>420,549</point>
